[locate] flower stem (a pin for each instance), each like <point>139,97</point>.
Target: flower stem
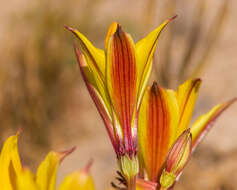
<point>132,184</point>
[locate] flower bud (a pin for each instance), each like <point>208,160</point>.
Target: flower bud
<point>177,158</point>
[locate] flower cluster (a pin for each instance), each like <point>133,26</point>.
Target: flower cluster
<point>149,127</point>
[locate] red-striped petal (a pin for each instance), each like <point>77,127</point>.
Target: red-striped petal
<point>156,124</point>
<point>121,80</point>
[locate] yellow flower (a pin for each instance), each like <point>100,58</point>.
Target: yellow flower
<point>116,79</point>
<point>163,116</point>
<point>14,177</point>
<point>142,120</point>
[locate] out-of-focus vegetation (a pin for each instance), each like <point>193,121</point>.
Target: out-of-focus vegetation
<point>189,42</point>
<point>38,72</point>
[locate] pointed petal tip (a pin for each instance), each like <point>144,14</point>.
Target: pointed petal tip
<point>172,18</point>
<point>186,135</point>
<point>233,100</point>
<point>74,31</point>
<point>112,29</point>
<point>118,31</point>
<point>88,166</point>
<point>154,87</point>
<point>196,83</point>
<point>115,25</point>
<point>203,125</point>
<point>19,131</point>
<point>198,80</point>
<point>65,153</point>
<point>187,131</point>
<point>69,28</point>
<point>228,103</point>
<point>154,84</point>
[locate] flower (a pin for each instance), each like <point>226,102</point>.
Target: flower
<point>151,122</point>
<point>163,116</point>
<point>116,79</point>
<point>15,177</point>
<point>177,158</point>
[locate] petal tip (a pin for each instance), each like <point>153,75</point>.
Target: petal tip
<point>69,28</point>
<point>155,88</point>
<point>198,80</point>
<point>172,18</point>
<point>233,100</point>
<point>119,30</point>
<point>19,131</point>
<point>65,153</point>
<point>88,166</point>
<point>74,31</point>
<point>196,83</point>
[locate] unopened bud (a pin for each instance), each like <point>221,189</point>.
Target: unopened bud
<point>177,158</point>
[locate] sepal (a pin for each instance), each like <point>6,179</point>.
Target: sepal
<point>129,167</point>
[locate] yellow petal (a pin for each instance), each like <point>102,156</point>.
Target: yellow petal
<point>145,49</point>
<point>46,173</point>
<point>80,180</point>
<point>94,56</point>
<point>204,123</point>
<point>92,79</point>
<point>186,97</point>
<point>98,94</point>
<point>112,29</point>
<point>26,181</point>
<point>157,122</point>
<point>9,163</point>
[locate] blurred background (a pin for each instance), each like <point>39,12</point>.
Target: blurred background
<point>42,91</point>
